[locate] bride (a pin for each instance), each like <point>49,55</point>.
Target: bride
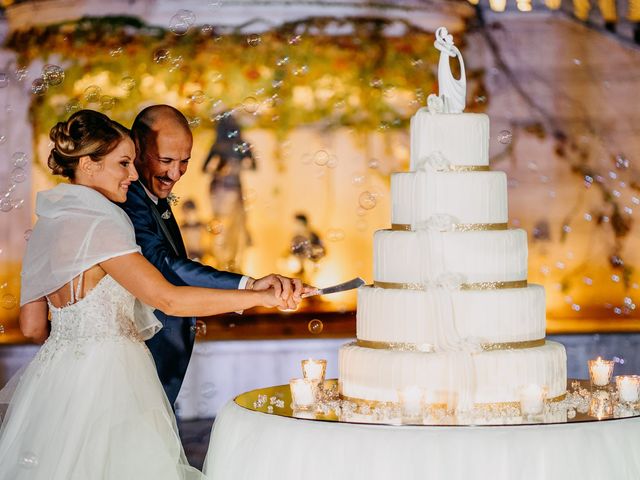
<point>90,405</point>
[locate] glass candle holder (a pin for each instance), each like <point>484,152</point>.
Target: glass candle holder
<point>411,403</point>
<point>600,372</point>
<point>303,394</point>
<point>314,370</point>
<point>601,405</point>
<point>532,399</point>
<point>628,388</point>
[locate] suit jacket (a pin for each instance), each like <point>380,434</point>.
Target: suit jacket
<point>162,245</point>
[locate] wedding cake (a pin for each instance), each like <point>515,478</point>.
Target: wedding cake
<point>450,310</point>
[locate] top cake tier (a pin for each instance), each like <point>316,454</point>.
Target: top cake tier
<point>461,138</point>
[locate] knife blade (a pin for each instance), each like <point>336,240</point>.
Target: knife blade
<point>341,287</point>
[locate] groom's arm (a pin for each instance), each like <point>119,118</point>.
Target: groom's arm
<point>155,248</point>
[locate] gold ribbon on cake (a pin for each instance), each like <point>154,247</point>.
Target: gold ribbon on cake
<point>458,227</point>
<point>463,286</point>
<point>430,348</point>
<point>468,168</point>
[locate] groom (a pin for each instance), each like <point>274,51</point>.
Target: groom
<point>163,149</point>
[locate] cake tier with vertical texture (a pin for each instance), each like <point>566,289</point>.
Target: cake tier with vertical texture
<point>468,197</point>
<point>462,139</point>
<point>480,256</point>
<point>377,375</point>
<point>493,316</point>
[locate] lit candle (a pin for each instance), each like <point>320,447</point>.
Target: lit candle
<point>411,401</point>
<point>302,393</point>
<point>600,371</point>
<point>314,370</point>
<point>628,388</point>
<point>532,399</point>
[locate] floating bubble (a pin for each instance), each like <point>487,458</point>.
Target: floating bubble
<point>333,161</point>
<point>209,390</point>
<point>621,162</point>
<point>197,97</point>
<point>254,40</point>
<point>367,200</point>
<point>21,73</point>
<point>215,227</point>
<point>575,307</point>
<point>242,148</point>
<point>116,52</point>
<point>28,460</point>
<point>1,329</point>
<point>206,29</point>
<point>577,61</point>
<point>417,62</point>
<point>128,83</point>
<point>303,70</point>
<point>233,134</point>
<point>358,179</point>
<point>321,158</point>
<point>19,159</point>
<point>5,204</point>
<point>27,234</point>
<point>281,62</point>
<point>376,82</point>
<point>107,102</point>
<point>39,87</point>
<point>215,3</point>
<point>480,99</point>
<point>373,163</point>
<point>335,235</point>
<point>161,55</point>
<point>194,122</point>
<point>200,329</point>
<point>8,301</point>
<point>389,92</point>
<point>250,105</point>
<point>505,137</point>
<point>176,64</point>
<point>18,175</point>
<point>92,94</point>
<point>72,106</point>
<point>3,139</point>
<point>182,21</point>
<point>315,326</point>
<point>53,74</point>
<point>4,80</point>
<point>295,39</point>
<point>300,245</point>
<point>277,84</point>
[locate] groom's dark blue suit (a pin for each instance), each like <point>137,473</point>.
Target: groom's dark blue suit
<point>161,243</point>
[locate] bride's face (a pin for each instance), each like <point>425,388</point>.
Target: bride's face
<point>114,173</point>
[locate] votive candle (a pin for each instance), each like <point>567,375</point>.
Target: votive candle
<point>303,393</point>
<point>628,388</point>
<point>600,371</point>
<point>314,370</point>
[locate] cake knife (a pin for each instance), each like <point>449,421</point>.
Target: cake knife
<point>341,287</point>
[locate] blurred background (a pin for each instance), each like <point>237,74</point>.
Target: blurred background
<point>300,112</point>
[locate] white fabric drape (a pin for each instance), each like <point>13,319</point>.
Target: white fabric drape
<point>77,228</point>
<point>247,445</point>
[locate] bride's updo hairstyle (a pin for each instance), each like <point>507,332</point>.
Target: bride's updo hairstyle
<point>86,133</point>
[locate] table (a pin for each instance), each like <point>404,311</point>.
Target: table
<point>250,444</point>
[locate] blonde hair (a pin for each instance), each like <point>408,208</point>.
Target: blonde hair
<point>85,133</point>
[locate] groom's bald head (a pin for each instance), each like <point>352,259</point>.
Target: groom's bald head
<point>163,142</point>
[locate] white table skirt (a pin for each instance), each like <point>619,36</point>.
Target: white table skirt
<point>247,445</point>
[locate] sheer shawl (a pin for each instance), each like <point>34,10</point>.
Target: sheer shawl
<point>77,228</point>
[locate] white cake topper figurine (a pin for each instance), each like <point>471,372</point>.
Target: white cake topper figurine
<point>453,92</point>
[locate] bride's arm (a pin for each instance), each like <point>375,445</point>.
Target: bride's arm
<point>145,282</point>
<point>33,320</point>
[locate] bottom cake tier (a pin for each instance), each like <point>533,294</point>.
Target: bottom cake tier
<point>377,375</point>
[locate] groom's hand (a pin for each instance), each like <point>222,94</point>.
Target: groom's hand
<point>289,290</point>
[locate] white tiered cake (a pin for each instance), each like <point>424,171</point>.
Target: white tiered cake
<point>450,310</point>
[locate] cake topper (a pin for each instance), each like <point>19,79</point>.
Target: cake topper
<point>453,92</point>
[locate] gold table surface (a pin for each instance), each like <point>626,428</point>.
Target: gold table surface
<point>276,401</point>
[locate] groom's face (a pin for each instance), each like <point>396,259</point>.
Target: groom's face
<point>164,158</point>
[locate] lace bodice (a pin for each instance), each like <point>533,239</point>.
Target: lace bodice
<point>105,313</point>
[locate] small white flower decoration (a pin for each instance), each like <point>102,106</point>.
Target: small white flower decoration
<point>450,280</point>
<point>435,104</point>
<point>435,161</point>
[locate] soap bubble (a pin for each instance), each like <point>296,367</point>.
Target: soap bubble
<point>373,163</point>
<point>300,245</point>
<point>27,234</point>
<point>376,83</point>
<point>19,159</point>
<point>200,329</point>
<point>161,55</point>
<point>4,79</point>
<point>53,74</point>
<point>250,105</point>
<point>39,87</point>
<point>233,134</point>
<point>321,158</point>
<point>128,83</point>
<point>21,73</point>
<point>332,162</point>
<point>5,204</point>
<point>242,148</point>
<point>28,460</point>
<point>282,61</point>
<point>107,102</point>
<point>1,329</point>
<point>92,94</point>
<point>295,39</point>
<point>8,301</point>
<point>197,97</point>
<point>72,106</point>
<point>116,52</point>
<point>303,70</point>
<point>18,175</point>
<point>315,326</point>
<point>209,390</point>
<point>621,162</point>
<point>367,200</point>
<point>254,40</point>
<point>194,122</point>
<point>358,179</point>
<point>335,235</point>
<point>182,21</point>
<point>505,137</point>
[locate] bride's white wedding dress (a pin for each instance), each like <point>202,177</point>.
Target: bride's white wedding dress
<point>90,405</point>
